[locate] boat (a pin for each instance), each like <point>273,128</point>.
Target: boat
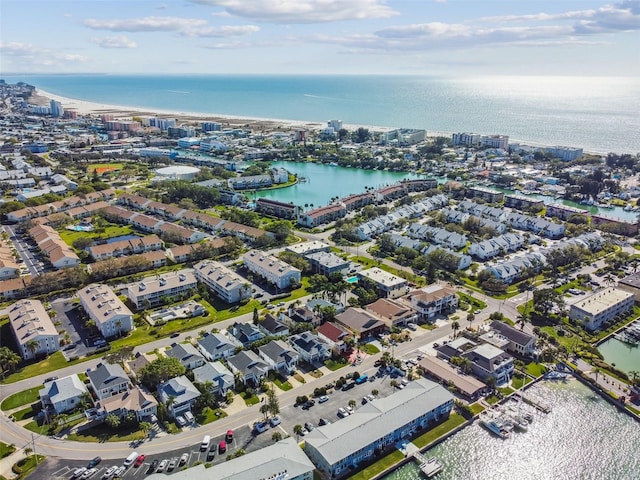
<point>519,422</point>
<point>555,375</point>
<point>333,164</point>
<point>628,208</point>
<point>626,338</point>
<point>494,425</point>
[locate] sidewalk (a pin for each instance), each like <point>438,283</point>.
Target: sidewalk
<point>7,462</point>
<point>604,381</point>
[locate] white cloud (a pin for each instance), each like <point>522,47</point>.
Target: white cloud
<point>26,53</point>
<point>146,24</point>
<point>223,31</point>
<point>303,11</point>
<point>120,41</point>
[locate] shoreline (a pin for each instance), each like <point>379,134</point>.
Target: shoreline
<point>85,107</point>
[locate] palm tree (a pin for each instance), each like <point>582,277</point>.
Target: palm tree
<point>609,279</point>
<point>32,346</point>
<point>455,326</point>
<point>352,403</point>
<point>297,430</point>
<point>264,410</point>
<point>596,370</point>
<point>145,427</point>
<point>470,318</point>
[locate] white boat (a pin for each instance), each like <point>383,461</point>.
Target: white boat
<point>494,425</point>
<point>555,375</point>
<point>519,422</point>
<point>626,338</point>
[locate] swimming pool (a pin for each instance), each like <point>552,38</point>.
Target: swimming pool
<point>352,280</point>
<point>80,228</point>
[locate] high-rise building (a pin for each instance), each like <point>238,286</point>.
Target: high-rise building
<point>56,108</point>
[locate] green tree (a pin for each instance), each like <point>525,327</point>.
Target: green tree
<point>297,430</point>
<point>161,370</point>
<point>113,421</point>
<point>272,403</point>
<point>544,300</point>
<point>256,316</point>
<point>9,360</point>
<point>277,436</point>
<point>455,326</point>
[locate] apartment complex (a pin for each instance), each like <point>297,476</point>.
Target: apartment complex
<point>321,215</point>
<point>53,247</point>
<point>110,315</point>
<point>151,291</point>
<point>277,209</point>
<point>33,329</point>
<point>601,307</point>
<point>387,284</point>
<point>271,268</point>
<point>432,300</point>
<point>222,281</point>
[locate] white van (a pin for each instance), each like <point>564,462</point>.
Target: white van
<point>130,459</point>
<point>205,443</point>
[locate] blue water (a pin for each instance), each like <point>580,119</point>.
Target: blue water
<point>122,237</point>
<point>598,114</point>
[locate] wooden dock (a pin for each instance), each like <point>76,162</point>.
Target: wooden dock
<point>428,466</point>
<point>536,405</point>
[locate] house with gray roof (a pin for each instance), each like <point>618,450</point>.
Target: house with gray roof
<point>245,333</point>
<point>273,327</point>
<point>489,361</point>
<point>215,346</point>
<point>279,356</point>
<point>520,343</point>
<point>63,394</point>
<point>108,379</point>
<point>188,355</point>
<point>310,347</point>
<point>376,427</point>
<point>216,373</point>
<point>249,367</point>
<point>181,392</point>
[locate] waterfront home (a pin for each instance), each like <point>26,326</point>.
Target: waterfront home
<point>63,394</point>
<point>107,380</point>
<point>181,392</point>
<point>489,361</point>
<point>520,342</point>
<point>601,307</point>
<point>432,300</point>
<point>521,202</point>
<point>279,356</point>
<point>187,354</point>
<point>135,401</point>
<point>249,367</point>
<point>217,374</point>
<point>277,209</point>
<point>437,235</point>
<point>310,347</point>
<point>338,448</point>
<point>215,346</point>
<point>441,371</point>
<point>33,329</point>
<point>110,316</point>
<point>320,215</point>
<point>488,195</point>
<point>245,333</point>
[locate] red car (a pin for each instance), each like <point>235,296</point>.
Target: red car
<point>139,460</point>
<point>222,447</point>
<point>229,436</point>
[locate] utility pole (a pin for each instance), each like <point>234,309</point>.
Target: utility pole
<point>33,444</point>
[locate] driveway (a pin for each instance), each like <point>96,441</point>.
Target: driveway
<point>30,260</point>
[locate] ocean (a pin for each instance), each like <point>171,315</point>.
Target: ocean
<point>598,114</point>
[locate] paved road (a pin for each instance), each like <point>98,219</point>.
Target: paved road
<point>31,262</point>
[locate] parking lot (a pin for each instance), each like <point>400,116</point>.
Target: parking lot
<point>28,251</point>
<point>243,438</point>
<point>71,320</point>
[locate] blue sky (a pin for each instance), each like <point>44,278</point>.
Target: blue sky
<point>445,37</point>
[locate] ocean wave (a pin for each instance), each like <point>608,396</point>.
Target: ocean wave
<point>182,92</point>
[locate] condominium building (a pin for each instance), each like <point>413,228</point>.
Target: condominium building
<point>432,300</point>
<point>491,196</point>
<point>337,448</point>
<point>222,281</point>
<point>110,315</point>
<point>271,268</point>
<point>321,215</point>
<point>33,329</point>
<point>387,284</point>
<point>601,307</point>
<point>152,291</point>
<point>277,209</point>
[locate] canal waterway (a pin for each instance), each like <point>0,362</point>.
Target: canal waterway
<point>624,356</point>
<point>583,437</point>
<point>324,182</point>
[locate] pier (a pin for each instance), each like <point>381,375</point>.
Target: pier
<point>538,406</point>
<point>428,466</point>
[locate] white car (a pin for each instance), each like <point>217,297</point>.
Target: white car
<point>275,421</point>
<point>162,466</point>
<point>109,473</point>
<point>78,472</point>
<point>181,421</point>
<point>323,399</point>
<point>183,459</point>
<point>342,412</point>
<point>89,473</point>
<point>119,472</point>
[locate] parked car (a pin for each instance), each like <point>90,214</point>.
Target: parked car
<point>412,326</point>
<point>275,421</point>
<point>342,412</point>
<point>229,436</point>
<point>110,472</point>
<point>50,379</point>
<point>139,461</point>
<point>89,473</point>
<point>323,421</point>
<point>93,462</point>
<point>188,416</point>
<point>323,399</point>
<point>154,465</point>
<point>119,472</point>
<point>78,472</point>
<point>181,420</point>
<point>183,459</point>
<point>212,452</point>
<point>222,447</point>
<point>261,427</point>
<point>309,426</point>
<point>281,304</point>
<point>270,306</point>
<point>172,464</point>
<point>162,466</point>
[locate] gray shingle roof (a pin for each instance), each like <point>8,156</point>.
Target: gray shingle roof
<point>107,375</point>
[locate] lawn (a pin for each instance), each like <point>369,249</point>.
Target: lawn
<point>505,391</point>
<point>369,349</point>
<point>378,467</point>
<point>476,408</point>
<point>477,303</point>
<point>250,399</point>
<point>29,464</point>
<point>24,414</point>
<point>105,167</point>
<point>536,369</point>
<point>492,399</point>
<point>110,231</point>
<point>282,385</point>
<point>53,362</point>
<point>103,433</point>
<point>334,365</point>
<point>6,450</point>
<point>21,398</point>
<point>518,383</point>
<point>454,421</point>
<point>209,415</point>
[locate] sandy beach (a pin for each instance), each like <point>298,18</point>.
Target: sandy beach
<point>255,123</point>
